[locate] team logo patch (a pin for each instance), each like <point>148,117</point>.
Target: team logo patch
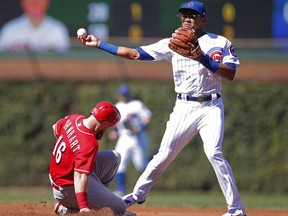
<point>216,54</point>
<point>232,51</point>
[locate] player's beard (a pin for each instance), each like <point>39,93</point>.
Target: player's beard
<point>99,135</point>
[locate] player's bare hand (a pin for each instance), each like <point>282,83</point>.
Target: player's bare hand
<point>90,40</point>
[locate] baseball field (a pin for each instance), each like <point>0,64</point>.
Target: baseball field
<point>38,201</point>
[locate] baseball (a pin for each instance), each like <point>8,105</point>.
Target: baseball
<point>82,32</point>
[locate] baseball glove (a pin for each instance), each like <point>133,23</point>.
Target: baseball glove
<point>185,43</point>
<point>132,123</point>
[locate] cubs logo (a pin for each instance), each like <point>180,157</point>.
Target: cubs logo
<point>190,4</point>
<point>232,51</point>
<point>215,54</point>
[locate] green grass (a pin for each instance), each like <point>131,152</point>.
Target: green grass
<point>156,198</point>
<point>25,194</point>
<point>216,200</point>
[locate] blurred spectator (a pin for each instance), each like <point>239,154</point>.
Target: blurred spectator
<point>35,30</point>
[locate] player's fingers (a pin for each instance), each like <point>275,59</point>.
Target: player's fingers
<point>88,37</point>
<point>82,40</point>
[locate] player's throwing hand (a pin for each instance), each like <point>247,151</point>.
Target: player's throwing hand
<point>90,40</point>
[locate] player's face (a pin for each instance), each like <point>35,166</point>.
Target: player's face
<point>192,20</point>
<point>35,8</point>
<point>102,129</point>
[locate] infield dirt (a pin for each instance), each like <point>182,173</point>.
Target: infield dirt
<point>44,209</point>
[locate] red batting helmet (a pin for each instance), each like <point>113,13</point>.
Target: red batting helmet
<point>106,111</point>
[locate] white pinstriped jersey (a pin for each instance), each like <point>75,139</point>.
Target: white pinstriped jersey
<point>191,77</point>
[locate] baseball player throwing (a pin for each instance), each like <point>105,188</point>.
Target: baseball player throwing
<point>79,174</point>
<point>199,60</point>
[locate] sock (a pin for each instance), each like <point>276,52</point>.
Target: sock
<point>120,182</point>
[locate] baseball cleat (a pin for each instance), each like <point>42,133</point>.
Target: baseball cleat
<point>59,209</point>
<point>234,212</point>
<point>130,200</point>
<point>127,213</point>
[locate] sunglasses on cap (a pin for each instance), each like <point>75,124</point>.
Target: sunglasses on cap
<point>189,15</point>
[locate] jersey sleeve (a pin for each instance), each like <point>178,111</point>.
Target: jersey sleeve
<point>159,50</point>
<point>229,54</point>
<point>58,125</point>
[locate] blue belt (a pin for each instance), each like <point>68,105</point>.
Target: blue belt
<point>198,99</point>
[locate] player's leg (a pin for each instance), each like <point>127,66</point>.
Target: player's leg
<point>65,197</point>
<point>179,131</point>
<point>123,147</point>
<point>144,143</point>
<point>99,196</point>
<point>138,157</point>
<point>107,164</point>
<point>211,129</point>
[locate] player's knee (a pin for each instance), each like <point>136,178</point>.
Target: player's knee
<point>117,157</point>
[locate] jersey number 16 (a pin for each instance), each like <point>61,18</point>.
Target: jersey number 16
<point>59,148</point>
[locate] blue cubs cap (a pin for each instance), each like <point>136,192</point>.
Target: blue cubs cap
<point>193,5</point>
<point>124,90</point>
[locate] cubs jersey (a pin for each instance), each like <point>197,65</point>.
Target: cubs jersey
<point>190,76</point>
<point>190,117</point>
<point>75,150</point>
<point>134,113</point>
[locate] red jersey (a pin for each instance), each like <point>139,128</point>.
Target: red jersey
<point>75,150</point>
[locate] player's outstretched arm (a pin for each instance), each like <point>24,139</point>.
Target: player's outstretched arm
<point>124,52</point>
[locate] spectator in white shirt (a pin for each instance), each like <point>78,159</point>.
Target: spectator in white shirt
<point>35,30</point>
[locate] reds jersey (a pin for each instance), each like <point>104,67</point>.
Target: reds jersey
<point>75,150</point>
<point>19,34</point>
<point>191,77</point>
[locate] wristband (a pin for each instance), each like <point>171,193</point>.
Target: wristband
<point>210,64</point>
<point>110,48</point>
<point>82,200</point>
